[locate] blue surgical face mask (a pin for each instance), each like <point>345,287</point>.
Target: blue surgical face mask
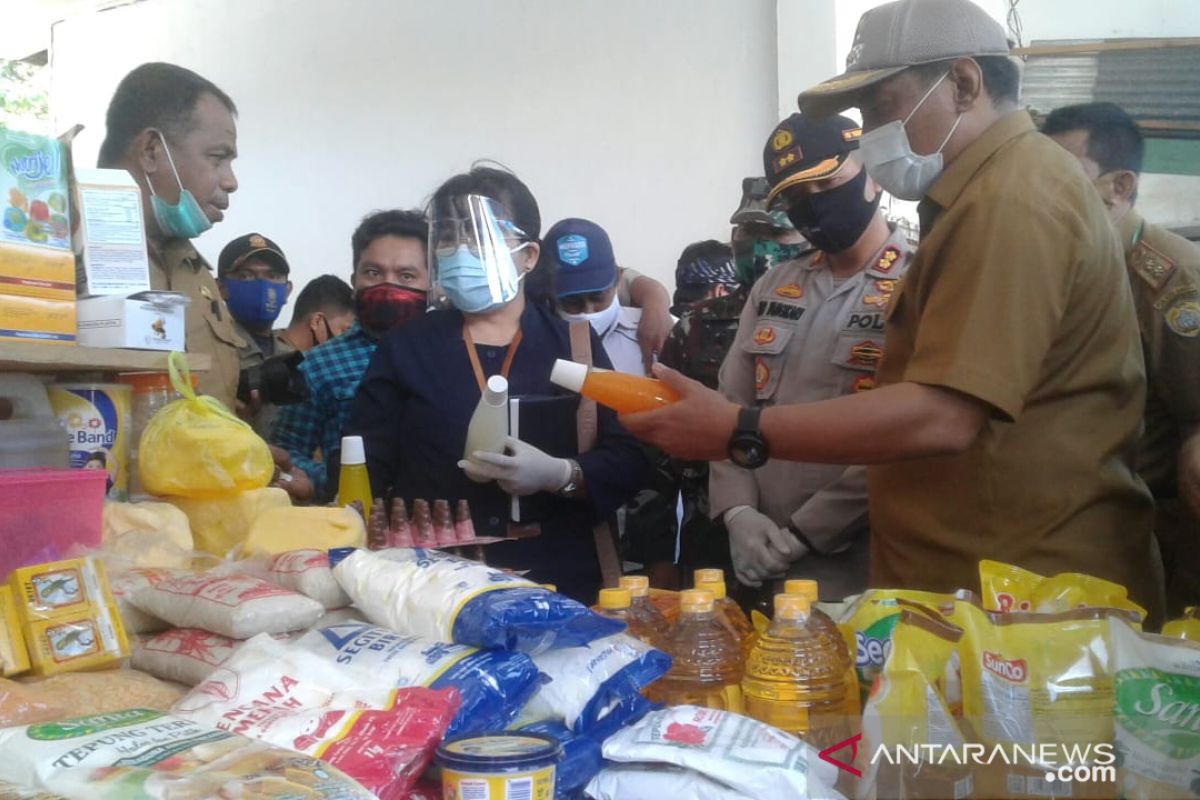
<point>185,219</point>
<point>257,303</point>
<point>464,279</point>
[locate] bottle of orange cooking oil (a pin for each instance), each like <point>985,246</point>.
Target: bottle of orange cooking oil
<point>706,664</point>
<point>353,481</point>
<point>614,604</point>
<point>793,674</point>
<point>619,391</point>
<point>728,611</point>
<point>645,621</point>
<point>825,626</point>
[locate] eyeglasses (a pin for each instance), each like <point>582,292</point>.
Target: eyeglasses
<point>447,235</point>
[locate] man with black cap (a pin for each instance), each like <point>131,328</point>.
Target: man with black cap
<point>1006,418</point>
<point>704,271</point>
<point>252,272</point>
<point>811,330</point>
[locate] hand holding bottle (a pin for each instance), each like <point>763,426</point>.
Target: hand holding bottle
<point>521,470</point>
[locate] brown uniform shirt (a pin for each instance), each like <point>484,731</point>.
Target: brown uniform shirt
<point>1164,271</point>
<point>1017,297</point>
<point>177,267</point>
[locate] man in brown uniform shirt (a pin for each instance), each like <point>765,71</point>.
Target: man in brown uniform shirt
<point>1164,273</point>
<point>175,134</point>
<point>1011,390</point>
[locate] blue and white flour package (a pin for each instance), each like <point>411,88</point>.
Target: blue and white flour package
<point>581,758</point>
<point>596,689</point>
<point>445,598</point>
<point>493,685</point>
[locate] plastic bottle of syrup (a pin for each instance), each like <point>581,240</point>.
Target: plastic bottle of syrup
<point>706,663</point>
<point>489,423</point>
<point>614,604</point>
<point>728,611</point>
<point>353,481</point>
<point>619,391</point>
<point>645,621</point>
<point>793,674</point>
<point>824,625</point>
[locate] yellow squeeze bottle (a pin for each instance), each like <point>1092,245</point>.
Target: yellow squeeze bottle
<point>622,393</point>
<point>353,481</point>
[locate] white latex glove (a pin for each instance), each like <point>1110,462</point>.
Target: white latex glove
<point>521,471</point>
<point>759,548</point>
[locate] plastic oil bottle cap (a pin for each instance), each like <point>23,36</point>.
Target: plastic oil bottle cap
<point>352,450</point>
<point>615,599</point>
<point>805,587</point>
<point>496,393</point>
<point>708,576</point>
<point>695,601</point>
<point>638,585</point>
<point>715,588</point>
<point>568,374</point>
<point>791,606</point>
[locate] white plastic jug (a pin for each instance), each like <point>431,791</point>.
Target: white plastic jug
<point>31,436</point>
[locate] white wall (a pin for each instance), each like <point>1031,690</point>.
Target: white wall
<point>643,116</point>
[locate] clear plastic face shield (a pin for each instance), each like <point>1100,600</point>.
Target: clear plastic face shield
<point>471,254</point>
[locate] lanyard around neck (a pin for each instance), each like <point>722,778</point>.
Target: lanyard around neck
<point>473,354</point>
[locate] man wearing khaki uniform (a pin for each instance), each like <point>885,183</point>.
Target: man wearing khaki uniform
<point>1164,273</point>
<point>811,330</point>
<point>174,132</point>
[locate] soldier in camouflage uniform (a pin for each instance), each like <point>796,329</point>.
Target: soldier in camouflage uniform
<point>1164,274</point>
<point>698,344</point>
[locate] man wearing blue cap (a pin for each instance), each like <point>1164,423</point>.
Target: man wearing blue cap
<point>585,274</point>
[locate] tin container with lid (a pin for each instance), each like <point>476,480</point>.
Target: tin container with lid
<point>499,765</point>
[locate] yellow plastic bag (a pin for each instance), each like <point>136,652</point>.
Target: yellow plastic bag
<point>195,447</point>
<point>1010,588</point>
<point>1186,627</point>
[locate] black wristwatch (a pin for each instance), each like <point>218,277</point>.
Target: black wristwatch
<point>747,447</point>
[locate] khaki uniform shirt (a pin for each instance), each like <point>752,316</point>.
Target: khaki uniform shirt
<point>1017,298</point>
<point>801,339</point>
<point>1164,271</point>
<point>251,355</point>
<point>177,267</point>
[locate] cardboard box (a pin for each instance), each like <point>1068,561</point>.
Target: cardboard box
<point>110,239</point>
<point>37,319</point>
<point>142,321</point>
<point>36,272</point>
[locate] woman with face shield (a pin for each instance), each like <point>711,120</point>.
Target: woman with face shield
<point>426,379</point>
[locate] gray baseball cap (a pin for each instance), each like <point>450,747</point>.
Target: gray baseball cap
<point>895,36</point>
<point>754,208</point>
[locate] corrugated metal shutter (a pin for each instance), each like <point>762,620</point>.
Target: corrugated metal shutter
<point>1154,85</point>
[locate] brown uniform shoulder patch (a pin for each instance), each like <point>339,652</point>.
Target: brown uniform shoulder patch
<point>1151,265</point>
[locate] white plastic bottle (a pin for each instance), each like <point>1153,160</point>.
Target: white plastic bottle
<point>489,423</point>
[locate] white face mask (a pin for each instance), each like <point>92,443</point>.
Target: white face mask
<point>891,162</point>
<point>602,321</point>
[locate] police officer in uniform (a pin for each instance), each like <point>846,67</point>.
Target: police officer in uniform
<point>1164,273</point>
<point>812,329</point>
<point>697,347</point>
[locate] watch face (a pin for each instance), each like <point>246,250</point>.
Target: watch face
<point>748,452</point>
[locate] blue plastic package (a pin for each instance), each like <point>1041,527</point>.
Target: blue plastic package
<point>494,685</point>
<point>581,758</point>
<point>596,689</point>
<point>442,597</point>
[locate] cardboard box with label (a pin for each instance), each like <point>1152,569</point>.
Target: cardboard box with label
<point>111,236</point>
<point>149,320</point>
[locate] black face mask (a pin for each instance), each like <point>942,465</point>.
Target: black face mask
<point>834,220</point>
